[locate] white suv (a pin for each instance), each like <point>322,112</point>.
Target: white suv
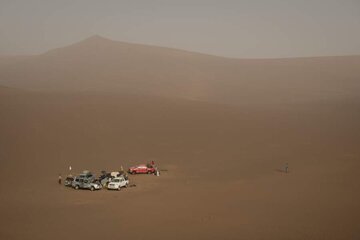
<point>117,183</point>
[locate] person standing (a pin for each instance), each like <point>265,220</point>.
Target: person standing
<point>286,167</point>
<point>59,179</point>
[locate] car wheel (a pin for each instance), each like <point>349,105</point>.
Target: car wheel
<point>77,187</point>
<point>148,172</point>
<point>126,185</point>
<point>92,189</point>
<point>119,188</point>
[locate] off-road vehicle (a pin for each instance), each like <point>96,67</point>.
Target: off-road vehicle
<point>80,183</point>
<point>117,183</point>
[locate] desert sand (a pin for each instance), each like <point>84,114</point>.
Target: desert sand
<point>220,130</point>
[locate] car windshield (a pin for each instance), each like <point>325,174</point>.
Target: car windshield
<point>116,180</point>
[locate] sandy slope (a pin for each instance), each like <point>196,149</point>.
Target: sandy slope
<point>222,179</point>
<point>221,128</point>
<point>99,64</point>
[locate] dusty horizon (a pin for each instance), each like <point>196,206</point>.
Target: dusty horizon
<point>98,36</point>
<point>236,29</point>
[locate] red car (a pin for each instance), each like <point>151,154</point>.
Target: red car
<point>143,168</point>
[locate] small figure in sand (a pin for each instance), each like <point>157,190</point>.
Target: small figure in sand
<point>59,179</point>
<point>286,168</point>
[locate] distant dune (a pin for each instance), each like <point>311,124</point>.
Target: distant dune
<point>101,65</point>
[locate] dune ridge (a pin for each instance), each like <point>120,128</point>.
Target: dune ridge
<point>101,65</point>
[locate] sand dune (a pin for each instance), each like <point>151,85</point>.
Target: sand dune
<point>101,65</point>
<point>100,104</point>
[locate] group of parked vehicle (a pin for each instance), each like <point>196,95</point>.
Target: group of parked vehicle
<point>109,180</point>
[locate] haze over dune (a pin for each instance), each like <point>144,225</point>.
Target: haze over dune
<point>100,104</point>
<point>102,65</point>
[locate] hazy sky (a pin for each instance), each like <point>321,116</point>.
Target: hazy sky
<point>242,28</point>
